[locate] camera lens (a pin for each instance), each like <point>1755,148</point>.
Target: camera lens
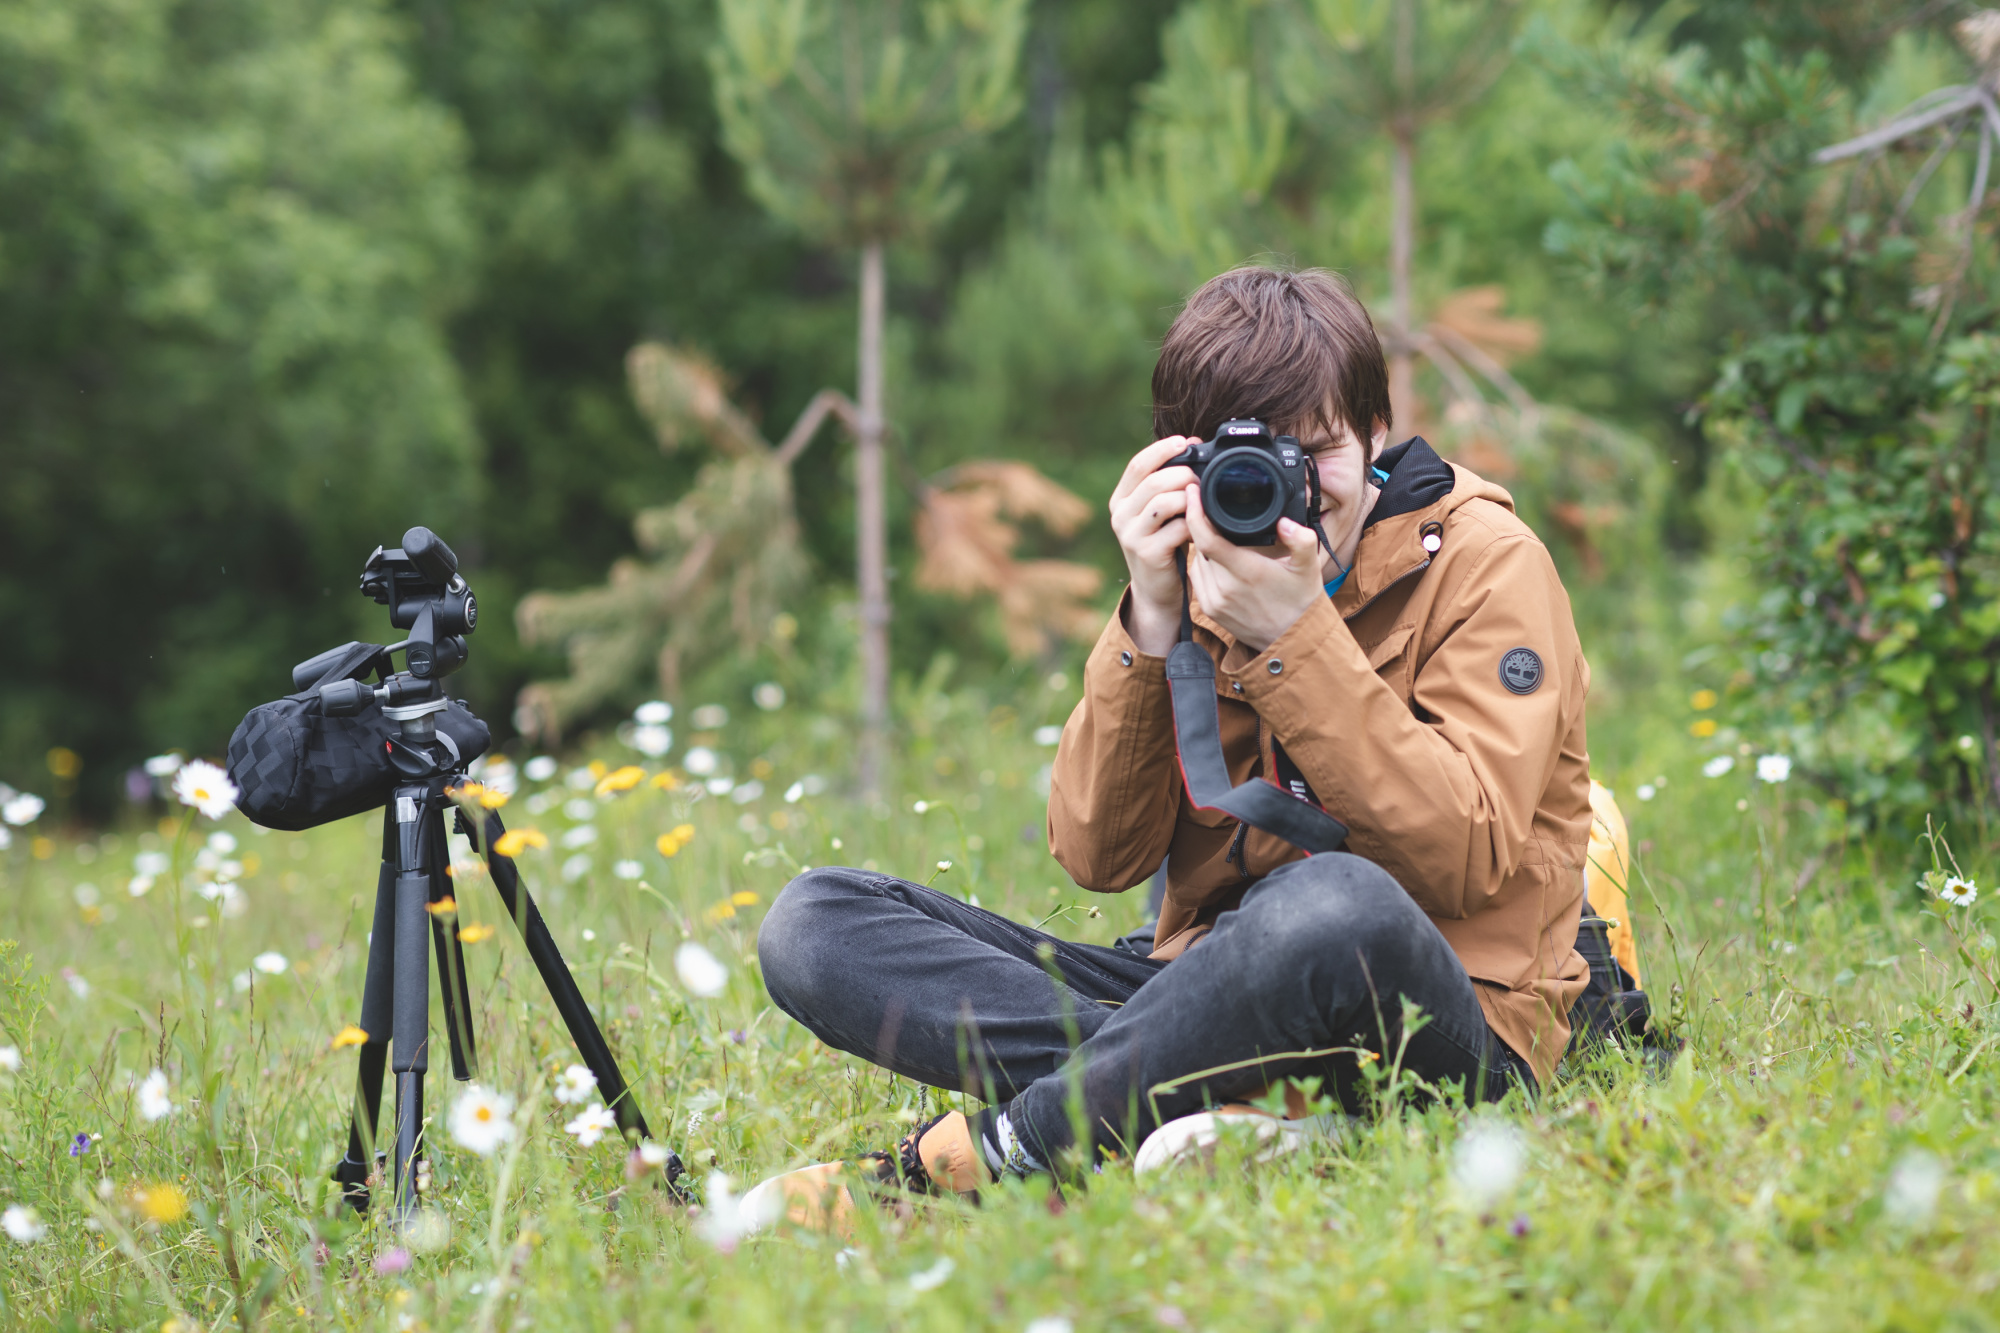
<point>1243,493</point>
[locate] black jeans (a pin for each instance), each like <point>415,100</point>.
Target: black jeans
<point>1316,957</point>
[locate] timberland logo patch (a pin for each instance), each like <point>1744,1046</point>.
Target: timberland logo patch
<point>1521,670</point>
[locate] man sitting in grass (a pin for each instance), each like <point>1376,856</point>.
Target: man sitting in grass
<point>1417,675</point>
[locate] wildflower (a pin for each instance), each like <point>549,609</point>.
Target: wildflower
<point>480,1119</point>
<point>270,962</point>
<point>475,933</point>
<point>1049,735</point>
<point>700,971</point>
<point>205,787</point>
<point>1488,1162</point>
<point>580,836</point>
<point>1774,768</point>
<point>580,809</point>
<point>1702,700</point>
<point>744,898</point>
<point>515,841</point>
<point>163,765</point>
<point>943,866</point>
<point>10,1059</point>
<point>665,780</point>
<point>576,867</point>
<point>652,741</point>
<point>574,1084</point>
<point>1717,766</point>
<point>1647,791</point>
<point>154,1101</point>
<point>23,808</point>
<point>1967,744</point>
<point>1702,728</point>
<point>161,1203</point>
<point>700,761</point>
<point>1959,892</point>
<point>23,1224</point>
<point>591,1124</point>
<point>1519,1226</point>
<point>627,869</point>
<point>719,786</point>
<point>645,1159</point>
<point>744,794</point>
<point>930,1279</point>
<point>492,798</point>
<point>709,717</point>
<point>1914,1186</point>
<point>1050,1323</point>
<point>467,791</point>
<point>653,713</point>
<point>539,769</point>
<point>620,779</point>
<point>79,1145</point>
<point>78,986</point>
<point>724,1220</point>
<point>349,1036</point>
<point>445,906</point>
<point>671,842</point>
<point>392,1261</point>
<point>769,696</point>
<point>920,807</point>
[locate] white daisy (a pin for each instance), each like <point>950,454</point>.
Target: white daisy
<point>154,1101</point>
<point>270,962</point>
<point>205,787</point>
<point>1487,1163</point>
<point>1959,892</point>
<point>1719,765</point>
<point>163,765</point>
<point>1774,767</point>
<point>480,1119</point>
<point>23,1223</point>
<point>24,808</point>
<point>653,713</point>
<point>591,1125</point>
<point>700,971</point>
<point>539,769</point>
<point>10,1059</point>
<point>574,1084</point>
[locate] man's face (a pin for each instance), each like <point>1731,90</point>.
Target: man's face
<point>1343,473</point>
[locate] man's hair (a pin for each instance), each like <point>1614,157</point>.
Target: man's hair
<point>1294,349</point>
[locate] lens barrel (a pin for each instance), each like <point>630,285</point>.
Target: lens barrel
<point>1243,492</point>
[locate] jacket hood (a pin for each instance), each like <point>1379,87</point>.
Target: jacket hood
<point>1420,494</point>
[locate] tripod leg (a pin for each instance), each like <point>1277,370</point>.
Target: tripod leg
<point>411,1025</point>
<point>452,987</point>
<point>576,1015</point>
<point>352,1172</point>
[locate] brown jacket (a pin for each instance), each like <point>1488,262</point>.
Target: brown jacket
<point>1390,701</point>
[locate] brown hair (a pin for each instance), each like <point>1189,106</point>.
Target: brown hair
<point>1291,348</point>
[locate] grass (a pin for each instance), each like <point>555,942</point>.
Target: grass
<point>1822,1157</point>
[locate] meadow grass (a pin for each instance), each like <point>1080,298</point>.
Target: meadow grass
<point>1822,1156</point>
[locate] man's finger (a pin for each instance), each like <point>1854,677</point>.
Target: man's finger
<point>1211,543</point>
<point>1300,543</point>
<point>1147,461</point>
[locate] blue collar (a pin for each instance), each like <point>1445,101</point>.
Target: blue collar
<point>1381,479</point>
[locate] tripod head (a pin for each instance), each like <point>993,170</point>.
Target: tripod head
<point>420,584</point>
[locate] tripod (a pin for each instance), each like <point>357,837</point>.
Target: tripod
<point>395,997</point>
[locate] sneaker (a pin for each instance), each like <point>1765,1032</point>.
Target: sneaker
<point>938,1157</point>
<point>1193,1137</point>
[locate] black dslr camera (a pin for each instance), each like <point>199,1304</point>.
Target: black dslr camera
<point>1250,479</point>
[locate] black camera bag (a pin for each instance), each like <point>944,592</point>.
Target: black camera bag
<point>296,768</point>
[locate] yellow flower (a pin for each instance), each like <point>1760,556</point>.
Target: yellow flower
<point>1702,700</point>
<point>598,768</point>
<point>161,1203</point>
<point>671,842</point>
<point>517,840</point>
<point>349,1036</point>
<point>722,911</point>
<point>666,780</point>
<point>622,779</point>
<point>475,933</point>
<point>446,906</point>
<point>467,791</point>
<point>743,898</point>
<point>492,798</point>
<point>1702,727</point>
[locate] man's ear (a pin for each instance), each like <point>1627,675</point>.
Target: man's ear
<point>1378,441</point>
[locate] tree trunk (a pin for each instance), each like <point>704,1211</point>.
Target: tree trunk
<point>1402,216</point>
<point>1402,228</point>
<point>871,536</point>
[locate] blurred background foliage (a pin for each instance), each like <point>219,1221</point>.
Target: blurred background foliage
<point>277,280</point>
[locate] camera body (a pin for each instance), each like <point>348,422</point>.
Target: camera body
<point>420,584</point>
<point>1250,479</point>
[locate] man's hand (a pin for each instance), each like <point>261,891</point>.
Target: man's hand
<point>1256,593</point>
<point>1148,514</point>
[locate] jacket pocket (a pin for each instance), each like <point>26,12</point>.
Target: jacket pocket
<point>1388,657</point>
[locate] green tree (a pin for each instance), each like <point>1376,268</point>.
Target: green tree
<point>229,237</point>
<point>1854,400</point>
<point>847,117</point>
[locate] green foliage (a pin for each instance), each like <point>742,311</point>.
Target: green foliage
<point>1853,403</point>
<point>229,236</point>
<point>846,114</point>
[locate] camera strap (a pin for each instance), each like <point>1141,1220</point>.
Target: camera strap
<point>1198,741</point>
